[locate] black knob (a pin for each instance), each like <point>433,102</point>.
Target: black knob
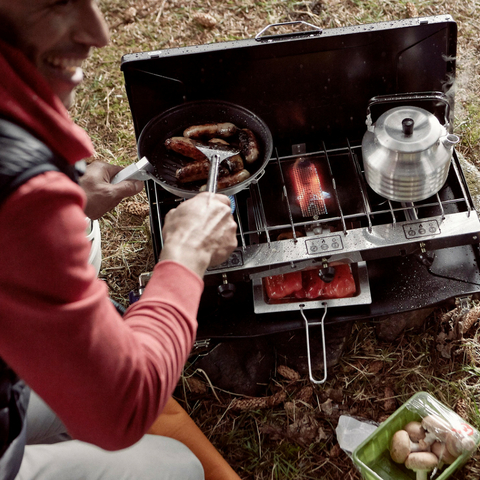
<point>426,258</point>
<point>226,290</point>
<point>407,126</point>
<point>327,274</point>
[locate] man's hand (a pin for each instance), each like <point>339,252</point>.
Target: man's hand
<point>102,196</point>
<point>200,232</point>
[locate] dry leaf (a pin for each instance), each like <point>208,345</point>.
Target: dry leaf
<point>336,394</point>
<point>390,403</point>
<point>327,407</point>
<point>305,430</point>
<point>335,451</point>
<point>289,408</point>
<point>375,367</point>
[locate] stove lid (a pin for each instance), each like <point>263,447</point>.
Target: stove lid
<point>306,86</point>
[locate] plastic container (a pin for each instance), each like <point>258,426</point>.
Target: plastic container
<point>372,456</point>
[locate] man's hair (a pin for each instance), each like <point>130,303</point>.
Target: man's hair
<point>9,34</point>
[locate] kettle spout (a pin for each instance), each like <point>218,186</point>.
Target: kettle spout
<point>450,140</point>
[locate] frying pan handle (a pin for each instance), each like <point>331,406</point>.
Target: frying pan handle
<point>136,171</point>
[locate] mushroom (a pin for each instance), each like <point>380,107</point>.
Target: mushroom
<point>401,446</point>
<point>437,429</point>
<point>458,444</point>
<point>444,456</point>
<point>415,431</point>
<point>421,463</point>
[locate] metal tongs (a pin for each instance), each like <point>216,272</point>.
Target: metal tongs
<point>216,154</point>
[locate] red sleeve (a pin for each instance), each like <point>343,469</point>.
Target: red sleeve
<point>106,377</point>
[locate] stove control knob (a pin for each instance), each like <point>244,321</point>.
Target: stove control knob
<point>226,291</point>
<point>327,274</point>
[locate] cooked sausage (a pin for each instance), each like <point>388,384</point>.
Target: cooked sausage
<point>186,147</point>
<point>198,171</point>
<point>289,235</point>
<point>230,180</point>
<point>248,145</point>
<point>210,130</point>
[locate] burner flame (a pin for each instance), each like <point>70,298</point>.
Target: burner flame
<point>308,188</point>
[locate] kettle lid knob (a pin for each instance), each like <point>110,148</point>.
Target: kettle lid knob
<point>407,126</point>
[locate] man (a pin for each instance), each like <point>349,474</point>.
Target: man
<point>106,377</point>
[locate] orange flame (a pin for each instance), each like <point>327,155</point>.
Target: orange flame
<point>308,188</point>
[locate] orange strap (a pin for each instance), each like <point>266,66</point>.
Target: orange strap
<point>174,422</point>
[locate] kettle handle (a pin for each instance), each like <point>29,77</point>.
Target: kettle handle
<point>402,97</point>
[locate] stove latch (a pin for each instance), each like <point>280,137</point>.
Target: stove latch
<point>424,257</point>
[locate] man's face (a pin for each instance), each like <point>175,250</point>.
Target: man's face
<point>56,35</point>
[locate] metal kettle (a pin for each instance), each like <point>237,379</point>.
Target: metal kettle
<point>407,151</point>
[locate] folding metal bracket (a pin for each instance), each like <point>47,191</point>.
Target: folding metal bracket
<point>307,325</point>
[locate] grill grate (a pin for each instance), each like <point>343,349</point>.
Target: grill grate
<point>336,214</point>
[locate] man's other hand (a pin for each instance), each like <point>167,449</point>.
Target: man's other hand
<point>102,196</point>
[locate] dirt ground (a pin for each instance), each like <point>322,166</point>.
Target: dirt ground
<point>289,432</point>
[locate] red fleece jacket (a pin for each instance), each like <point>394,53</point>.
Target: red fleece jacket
<point>106,377</point>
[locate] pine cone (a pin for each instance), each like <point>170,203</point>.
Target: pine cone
<point>130,14</point>
<point>470,318</point>
<point>249,403</point>
<point>196,386</point>
<point>461,408</point>
<point>288,373</point>
<point>305,394</point>
<point>205,20</point>
<point>277,398</point>
<point>136,208</point>
<point>256,403</point>
<point>411,10</point>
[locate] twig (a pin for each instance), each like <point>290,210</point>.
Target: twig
<point>160,12</point>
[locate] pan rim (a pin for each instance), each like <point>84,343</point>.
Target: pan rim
<point>265,137</point>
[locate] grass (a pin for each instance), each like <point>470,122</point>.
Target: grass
<point>372,378</point>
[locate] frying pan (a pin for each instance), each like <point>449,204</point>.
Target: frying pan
<point>172,123</point>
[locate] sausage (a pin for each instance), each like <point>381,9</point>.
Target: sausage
<point>248,145</point>
<point>186,147</point>
<point>289,235</point>
<point>193,171</point>
<point>210,130</point>
<point>198,171</point>
<point>230,180</point>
